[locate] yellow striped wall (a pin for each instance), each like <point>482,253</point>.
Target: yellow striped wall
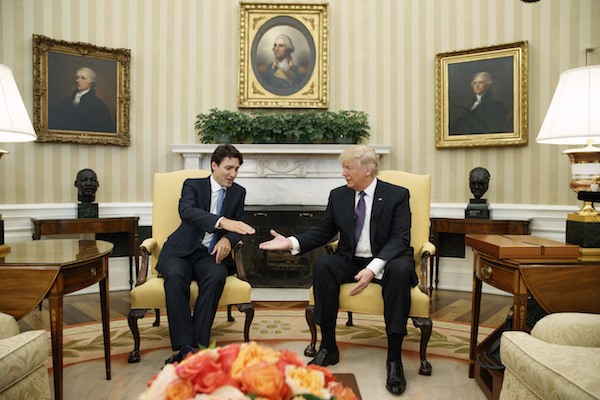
<point>382,54</point>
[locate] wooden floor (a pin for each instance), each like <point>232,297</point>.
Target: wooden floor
<point>445,305</point>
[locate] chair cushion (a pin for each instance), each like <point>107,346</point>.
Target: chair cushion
<point>370,301</point>
<point>551,371</point>
<point>151,294</point>
<point>20,355</point>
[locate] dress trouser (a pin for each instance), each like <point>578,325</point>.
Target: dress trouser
<point>329,272</point>
<point>178,273</point>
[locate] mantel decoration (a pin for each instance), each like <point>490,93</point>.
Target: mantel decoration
<point>223,126</point>
<point>246,372</point>
<point>81,92</point>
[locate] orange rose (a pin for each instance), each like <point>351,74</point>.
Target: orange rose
<point>265,380</point>
<point>340,392</point>
<point>287,357</point>
<point>252,354</point>
<point>227,355</point>
<point>326,371</point>
<point>204,373</point>
<point>179,389</point>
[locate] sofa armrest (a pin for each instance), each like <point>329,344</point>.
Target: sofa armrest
<point>8,326</point>
<point>570,329</point>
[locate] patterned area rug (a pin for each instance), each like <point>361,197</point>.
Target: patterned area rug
<point>84,342</point>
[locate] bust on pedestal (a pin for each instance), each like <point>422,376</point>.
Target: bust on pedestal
<point>87,184</point>
<point>479,179</point>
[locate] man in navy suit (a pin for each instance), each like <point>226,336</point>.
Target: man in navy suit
<point>373,220</point>
<point>200,250</point>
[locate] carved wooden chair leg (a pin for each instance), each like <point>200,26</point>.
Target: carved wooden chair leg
<point>311,350</point>
<point>157,319</point>
<point>132,320</point>
<point>229,316</point>
<point>426,325</point>
<point>248,309</point>
<point>349,322</point>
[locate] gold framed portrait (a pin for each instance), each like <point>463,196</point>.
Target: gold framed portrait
<point>81,92</point>
<point>481,97</point>
<point>283,59</point>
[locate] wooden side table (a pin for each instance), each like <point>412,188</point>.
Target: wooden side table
<point>43,227</point>
<point>53,268</point>
<point>559,285</point>
<point>469,226</point>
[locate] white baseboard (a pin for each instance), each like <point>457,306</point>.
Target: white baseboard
<point>455,273</point>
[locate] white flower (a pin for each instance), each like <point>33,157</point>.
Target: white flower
<point>159,384</point>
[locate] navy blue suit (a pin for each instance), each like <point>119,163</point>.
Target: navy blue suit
<point>183,259</point>
<point>390,241</point>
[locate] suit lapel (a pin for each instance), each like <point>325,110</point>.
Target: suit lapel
<point>205,193</point>
<point>378,202</point>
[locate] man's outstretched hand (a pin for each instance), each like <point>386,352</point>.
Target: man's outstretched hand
<point>279,242</point>
<point>240,227</point>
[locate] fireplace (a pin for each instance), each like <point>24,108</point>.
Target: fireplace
<point>287,189</point>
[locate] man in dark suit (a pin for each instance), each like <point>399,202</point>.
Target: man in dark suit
<point>200,250</point>
<point>373,220</point>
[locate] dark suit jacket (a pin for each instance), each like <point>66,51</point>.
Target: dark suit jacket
<point>196,219</point>
<point>390,223</point>
<point>488,117</point>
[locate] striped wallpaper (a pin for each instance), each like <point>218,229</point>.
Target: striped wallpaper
<point>382,53</point>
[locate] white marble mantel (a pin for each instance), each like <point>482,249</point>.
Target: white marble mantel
<point>274,174</point>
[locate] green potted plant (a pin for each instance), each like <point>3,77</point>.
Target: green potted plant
<point>348,126</point>
<point>222,126</point>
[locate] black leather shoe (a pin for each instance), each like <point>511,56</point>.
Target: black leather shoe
<point>325,357</point>
<point>175,358</point>
<point>396,383</point>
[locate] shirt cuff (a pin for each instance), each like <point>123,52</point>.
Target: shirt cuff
<point>295,245</point>
<point>218,222</point>
<point>376,266</point>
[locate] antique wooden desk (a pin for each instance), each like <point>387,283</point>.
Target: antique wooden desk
<point>469,226</point>
<point>53,268</point>
<point>559,285</point>
<point>43,227</point>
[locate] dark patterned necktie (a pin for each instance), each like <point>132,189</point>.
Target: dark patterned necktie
<point>213,242</point>
<point>359,212</point>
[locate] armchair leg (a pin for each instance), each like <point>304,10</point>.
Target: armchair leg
<point>310,350</point>
<point>132,320</point>
<point>157,319</point>
<point>426,325</point>
<point>248,309</point>
<point>229,316</point>
<point>349,322</point>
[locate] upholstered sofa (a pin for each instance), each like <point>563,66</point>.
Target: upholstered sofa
<point>23,357</point>
<point>560,359</point>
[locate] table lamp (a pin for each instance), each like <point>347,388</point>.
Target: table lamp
<point>573,118</point>
<point>15,125</point>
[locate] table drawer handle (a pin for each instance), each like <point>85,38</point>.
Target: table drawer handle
<point>93,271</point>
<point>486,271</point>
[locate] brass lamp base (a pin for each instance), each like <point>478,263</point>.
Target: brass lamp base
<point>588,210</point>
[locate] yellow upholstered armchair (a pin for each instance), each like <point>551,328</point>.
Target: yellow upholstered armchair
<point>23,357</point>
<point>371,301</point>
<point>149,292</point>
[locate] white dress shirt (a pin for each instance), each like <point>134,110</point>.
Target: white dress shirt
<point>214,196</point>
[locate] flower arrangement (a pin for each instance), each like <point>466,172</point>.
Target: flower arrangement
<point>245,372</point>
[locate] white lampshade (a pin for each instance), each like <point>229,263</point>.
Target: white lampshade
<point>15,125</point>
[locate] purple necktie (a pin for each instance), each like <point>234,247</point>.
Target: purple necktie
<point>213,242</point>
<point>359,212</point>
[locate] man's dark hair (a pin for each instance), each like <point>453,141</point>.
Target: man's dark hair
<point>224,151</point>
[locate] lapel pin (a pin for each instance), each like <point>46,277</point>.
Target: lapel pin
<point>379,199</point>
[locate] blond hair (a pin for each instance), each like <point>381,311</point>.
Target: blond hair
<point>367,157</point>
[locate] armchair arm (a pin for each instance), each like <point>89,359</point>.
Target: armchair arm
<point>569,329</point>
<point>422,255</point>
<point>145,249</point>
<point>331,247</point>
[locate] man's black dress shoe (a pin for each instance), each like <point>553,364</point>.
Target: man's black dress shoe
<point>396,383</point>
<point>325,357</point>
<point>177,358</point>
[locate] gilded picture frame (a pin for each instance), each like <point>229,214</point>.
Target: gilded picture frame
<point>81,92</point>
<point>300,77</point>
<point>481,97</point>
